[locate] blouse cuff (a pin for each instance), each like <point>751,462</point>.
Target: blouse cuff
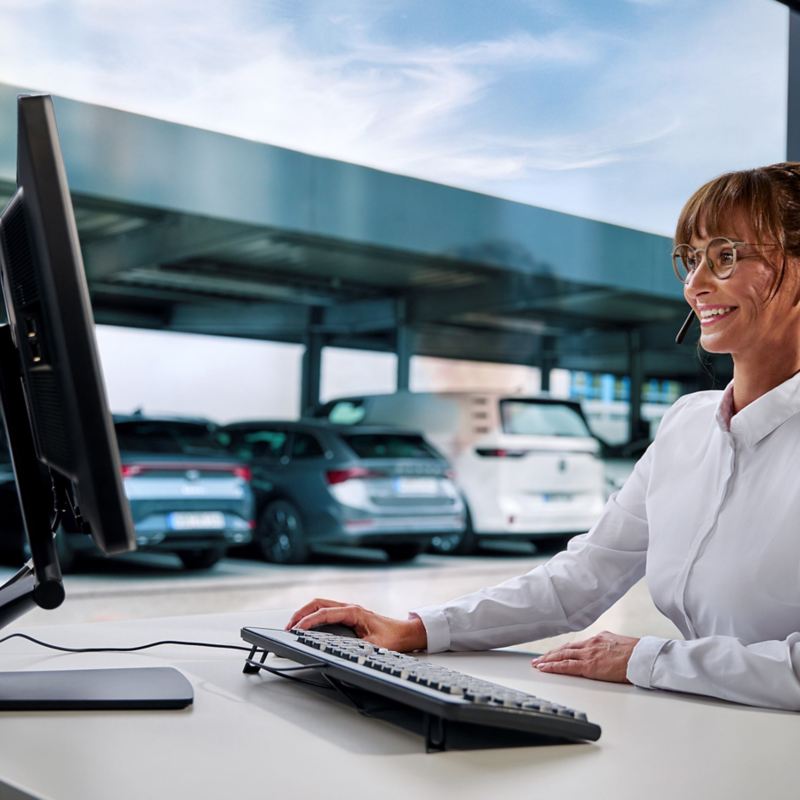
<point>437,628</point>
<point>643,660</point>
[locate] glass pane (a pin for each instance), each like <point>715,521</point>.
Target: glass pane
<point>266,444</point>
<point>168,437</point>
<point>390,446</point>
<point>306,446</point>
<point>529,418</point>
<point>347,412</point>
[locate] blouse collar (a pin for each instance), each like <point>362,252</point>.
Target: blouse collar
<point>763,415</point>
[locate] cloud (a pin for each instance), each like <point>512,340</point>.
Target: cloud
<point>657,107</point>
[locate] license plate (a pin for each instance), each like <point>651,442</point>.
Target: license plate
<point>196,520</point>
<point>416,486</point>
<point>557,497</point>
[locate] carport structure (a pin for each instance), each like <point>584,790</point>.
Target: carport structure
<point>187,230</point>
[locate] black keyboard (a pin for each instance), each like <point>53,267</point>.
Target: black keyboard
<point>443,696</point>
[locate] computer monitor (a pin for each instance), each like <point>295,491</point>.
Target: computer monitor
<point>57,422</point>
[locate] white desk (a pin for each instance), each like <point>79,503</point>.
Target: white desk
<point>254,736</point>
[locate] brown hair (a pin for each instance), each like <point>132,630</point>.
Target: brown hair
<point>768,196</point>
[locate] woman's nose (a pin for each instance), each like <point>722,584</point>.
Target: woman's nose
<point>700,277</point>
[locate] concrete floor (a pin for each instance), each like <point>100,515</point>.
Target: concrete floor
<point>146,585</point>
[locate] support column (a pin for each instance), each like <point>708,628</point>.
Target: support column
<point>547,361</point>
<point>312,364</point>
<point>636,374</point>
<point>403,345</point>
<point>793,104</point>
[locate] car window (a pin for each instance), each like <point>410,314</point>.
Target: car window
<point>346,412</point>
<point>160,437</point>
<point>387,445</point>
<point>304,445</point>
<point>266,443</point>
<point>530,418</point>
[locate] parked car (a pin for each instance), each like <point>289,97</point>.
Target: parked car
<point>318,484</point>
<point>187,494</point>
<point>528,466</point>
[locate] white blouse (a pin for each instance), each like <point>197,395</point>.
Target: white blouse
<point>711,515</point>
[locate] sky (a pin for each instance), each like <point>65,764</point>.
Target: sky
<point>615,110</point>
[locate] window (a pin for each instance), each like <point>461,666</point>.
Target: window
<point>529,418</point>
<point>153,436</point>
<point>385,445</point>
<point>305,445</point>
<point>259,444</point>
<point>346,412</point>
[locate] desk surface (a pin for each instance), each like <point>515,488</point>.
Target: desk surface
<point>253,733</point>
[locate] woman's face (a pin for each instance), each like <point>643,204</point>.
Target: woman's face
<point>737,315</point>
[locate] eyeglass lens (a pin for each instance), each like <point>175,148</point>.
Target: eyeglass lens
<point>720,255</point>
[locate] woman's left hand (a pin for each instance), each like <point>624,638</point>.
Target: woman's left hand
<point>603,657</point>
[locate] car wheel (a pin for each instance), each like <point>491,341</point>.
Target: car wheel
<point>402,552</point>
<point>456,544</point>
<point>201,559</point>
<point>281,536</point>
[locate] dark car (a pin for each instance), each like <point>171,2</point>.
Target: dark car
<point>319,484</point>
<point>187,494</point>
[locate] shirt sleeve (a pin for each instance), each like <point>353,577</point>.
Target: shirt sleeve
<point>567,593</point>
<point>765,674</point>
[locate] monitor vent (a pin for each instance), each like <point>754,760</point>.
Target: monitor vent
<point>20,259</point>
<point>53,432</point>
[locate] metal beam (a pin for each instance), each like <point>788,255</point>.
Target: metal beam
<point>253,320</point>
<point>359,316</point>
<point>176,238</point>
<point>498,293</point>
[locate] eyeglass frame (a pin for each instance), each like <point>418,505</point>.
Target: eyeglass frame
<point>733,243</point>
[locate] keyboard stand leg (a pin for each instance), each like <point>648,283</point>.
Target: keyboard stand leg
<point>249,667</point>
<point>435,734</point>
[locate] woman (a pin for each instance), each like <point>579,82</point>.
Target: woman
<point>711,513</point>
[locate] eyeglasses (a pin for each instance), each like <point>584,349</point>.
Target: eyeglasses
<point>721,256</point>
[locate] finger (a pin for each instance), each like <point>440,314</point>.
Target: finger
<point>560,655</point>
<point>343,615</point>
<point>310,608</point>
<point>571,650</point>
<point>569,666</point>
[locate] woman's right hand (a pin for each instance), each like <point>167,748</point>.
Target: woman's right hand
<point>393,634</point>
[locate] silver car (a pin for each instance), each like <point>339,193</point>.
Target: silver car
<point>318,484</point>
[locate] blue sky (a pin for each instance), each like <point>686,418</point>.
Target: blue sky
<point>615,110</point>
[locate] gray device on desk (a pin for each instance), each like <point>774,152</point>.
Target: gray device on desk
<point>57,422</point>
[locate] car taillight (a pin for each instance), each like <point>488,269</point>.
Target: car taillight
<point>129,470</point>
<point>245,473</point>
<point>499,452</point>
<point>334,476</point>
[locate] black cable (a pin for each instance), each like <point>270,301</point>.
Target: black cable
<point>128,649</point>
<point>121,649</point>
<point>275,671</point>
<point>281,672</point>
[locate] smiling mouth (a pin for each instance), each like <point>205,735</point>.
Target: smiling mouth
<point>715,315</point>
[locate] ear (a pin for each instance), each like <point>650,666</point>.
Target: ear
<point>792,276</point>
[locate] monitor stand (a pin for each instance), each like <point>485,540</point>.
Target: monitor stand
<point>39,584</point>
<point>94,689</point>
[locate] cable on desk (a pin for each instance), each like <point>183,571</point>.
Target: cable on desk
<point>281,671</point>
<point>122,649</point>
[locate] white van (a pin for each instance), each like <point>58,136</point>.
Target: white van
<point>528,466</point>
